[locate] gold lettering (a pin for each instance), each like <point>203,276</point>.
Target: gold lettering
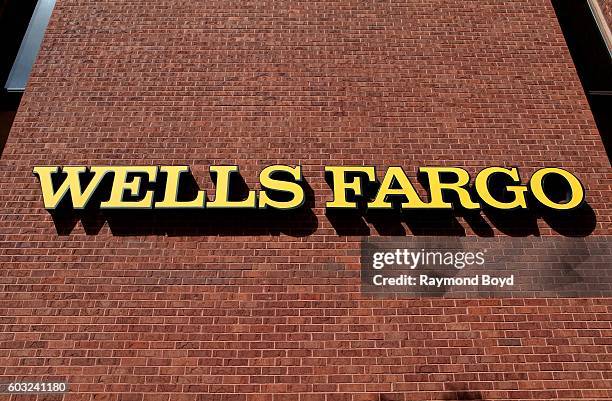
<point>222,191</point>
<point>341,185</point>
<point>436,187</point>
<point>122,184</point>
<point>482,188</point>
<point>170,200</point>
<point>396,176</point>
<point>72,185</point>
<point>537,189</point>
<point>266,181</point>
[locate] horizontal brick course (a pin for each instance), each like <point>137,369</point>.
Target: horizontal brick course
<point>270,310</point>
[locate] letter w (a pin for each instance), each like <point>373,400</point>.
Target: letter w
<point>71,184</point>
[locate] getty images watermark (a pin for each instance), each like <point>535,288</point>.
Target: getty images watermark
<point>471,267</point>
<point>411,260</point>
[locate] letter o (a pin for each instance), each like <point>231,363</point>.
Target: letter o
<point>537,189</point>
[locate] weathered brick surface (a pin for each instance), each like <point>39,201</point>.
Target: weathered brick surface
<point>606,7</point>
<point>242,309</point>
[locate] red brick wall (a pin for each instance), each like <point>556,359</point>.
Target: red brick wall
<point>247,311</point>
<point>606,7</point>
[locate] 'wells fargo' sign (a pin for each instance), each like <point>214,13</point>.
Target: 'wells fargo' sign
<point>153,187</point>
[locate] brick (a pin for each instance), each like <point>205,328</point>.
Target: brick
<point>245,309</point>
